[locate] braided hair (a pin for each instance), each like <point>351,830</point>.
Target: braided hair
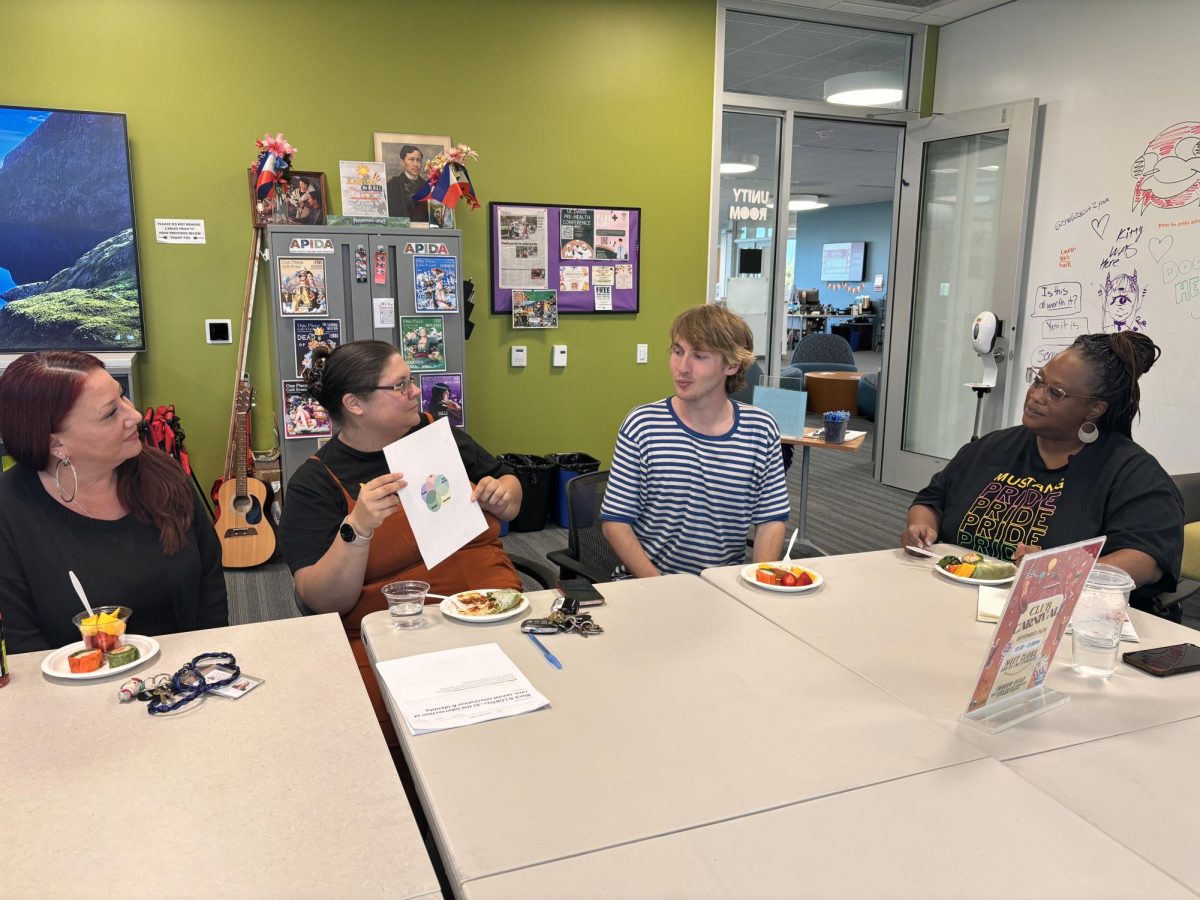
<point>1117,361</point>
<point>353,368</point>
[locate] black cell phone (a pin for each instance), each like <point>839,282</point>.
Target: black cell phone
<point>1164,661</point>
<point>583,591</point>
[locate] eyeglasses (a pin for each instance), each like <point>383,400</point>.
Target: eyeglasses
<point>403,386</point>
<point>1055,394</point>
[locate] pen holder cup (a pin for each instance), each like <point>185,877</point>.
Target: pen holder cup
<point>835,429</point>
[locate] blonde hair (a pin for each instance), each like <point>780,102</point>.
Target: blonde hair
<point>716,329</point>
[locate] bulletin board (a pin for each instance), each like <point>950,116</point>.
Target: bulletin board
<point>589,255</point>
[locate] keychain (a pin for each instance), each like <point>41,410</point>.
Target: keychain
<point>360,264</point>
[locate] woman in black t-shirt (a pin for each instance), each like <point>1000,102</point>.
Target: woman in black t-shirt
<point>1070,471</point>
<point>86,496</point>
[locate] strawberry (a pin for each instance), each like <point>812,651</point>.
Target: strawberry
<point>789,580</point>
<point>804,580</point>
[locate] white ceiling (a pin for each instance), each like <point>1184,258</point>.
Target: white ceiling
<point>846,163</point>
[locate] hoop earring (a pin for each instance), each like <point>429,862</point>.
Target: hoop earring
<point>1088,432</point>
<point>66,461</point>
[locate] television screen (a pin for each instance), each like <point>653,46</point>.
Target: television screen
<point>68,253</point>
<point>843,262</point>
<point>749,261</point>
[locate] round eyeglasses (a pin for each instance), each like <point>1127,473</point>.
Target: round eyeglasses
<point>1055,394</point>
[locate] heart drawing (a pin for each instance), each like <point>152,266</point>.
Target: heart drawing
<point>1160,246</point>
<point>1100,225</point>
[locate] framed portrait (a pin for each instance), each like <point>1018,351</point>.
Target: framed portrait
<point>306,199</point>
<point>406,160</point>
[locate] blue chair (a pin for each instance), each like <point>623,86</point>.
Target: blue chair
<point>818,353</point>
<point>868,395</point>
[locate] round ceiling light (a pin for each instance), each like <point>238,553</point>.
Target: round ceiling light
<point>739,164</point>
<point>803,202</point>
<point>875,88</point>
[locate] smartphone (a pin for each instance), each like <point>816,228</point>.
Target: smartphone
<point>539,626</point>
<point>582,590</point>
<point>1164,661</point>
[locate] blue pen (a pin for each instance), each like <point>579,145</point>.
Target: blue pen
<point>550,657</point>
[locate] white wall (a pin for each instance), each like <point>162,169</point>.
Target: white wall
<point>1111,75</point>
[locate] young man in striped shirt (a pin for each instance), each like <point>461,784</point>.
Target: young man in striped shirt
<point>691,473</point>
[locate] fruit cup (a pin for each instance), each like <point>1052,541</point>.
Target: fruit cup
<point>105,629</point>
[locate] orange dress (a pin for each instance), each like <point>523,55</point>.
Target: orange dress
<point>394,556</point>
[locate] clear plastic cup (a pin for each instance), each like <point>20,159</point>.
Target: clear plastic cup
<point>101,632</point>
<point>406,602</point>
<point>1097,621</point>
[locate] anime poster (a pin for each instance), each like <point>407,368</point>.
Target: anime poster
<point>442,397</point>
<point>576,231</point>
<point>612,234</point>
<point>422,343</point>
<point>436,281</point>
<point>1032,625</point>
<point>535,309</point>
<point>302,287</point>
<point>303,417</point>
<point>310,333</point>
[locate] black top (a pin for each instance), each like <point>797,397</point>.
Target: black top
<point>315,507</point>
<point>997,492</point>
<point>118,563</point>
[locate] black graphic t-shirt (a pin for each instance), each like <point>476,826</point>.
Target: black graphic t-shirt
<point>997,492</point>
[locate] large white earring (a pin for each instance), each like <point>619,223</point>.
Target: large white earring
<point>1088,432</point>
<point>66,461</point>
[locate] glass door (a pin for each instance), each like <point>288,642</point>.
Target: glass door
<point>960,252</point>
<point>746,222</point>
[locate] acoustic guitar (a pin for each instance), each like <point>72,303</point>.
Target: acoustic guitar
<point>246,536</point>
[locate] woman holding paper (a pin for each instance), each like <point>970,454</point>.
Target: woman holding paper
<point>344,532</point>
<point>1070,471</point>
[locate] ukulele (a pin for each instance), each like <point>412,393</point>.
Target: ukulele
<point>242,527</point>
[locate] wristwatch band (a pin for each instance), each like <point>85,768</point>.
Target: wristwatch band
<point>351,535</point>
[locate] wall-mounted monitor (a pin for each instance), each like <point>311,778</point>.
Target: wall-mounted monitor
<point>750,261</point>
<point>843,262</point>
<point>68,252</point>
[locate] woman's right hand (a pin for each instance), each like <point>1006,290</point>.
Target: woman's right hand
<point>377,499</point>
<point>919,535</point>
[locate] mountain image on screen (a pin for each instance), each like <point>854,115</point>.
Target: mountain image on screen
<point>68,255</point>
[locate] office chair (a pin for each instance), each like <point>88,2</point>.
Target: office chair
<point>587,553</point>
<point>1168,605</point>
<point>818,353</point>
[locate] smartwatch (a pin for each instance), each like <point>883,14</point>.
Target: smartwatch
<point>350,534</point>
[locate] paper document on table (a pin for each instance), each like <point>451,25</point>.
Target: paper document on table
<point>437,498</point>
<point>820,433</point>
<point>452,688</point>
<point>1128,632</point>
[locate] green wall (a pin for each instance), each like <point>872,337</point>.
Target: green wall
<point>604,104</point>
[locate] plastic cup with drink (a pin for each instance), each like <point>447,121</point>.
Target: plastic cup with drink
<point>1097,621</point>
<point>406,602</point>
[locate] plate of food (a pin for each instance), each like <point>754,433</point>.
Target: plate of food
<point>971,568</point>
<point>485,605</point>
<point>791,579</point>
<point>78,661</point>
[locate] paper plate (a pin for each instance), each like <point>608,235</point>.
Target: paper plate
<point>748,575</point>
<point>451,611</point>
<point>55,663</point>
<point>975,581</point>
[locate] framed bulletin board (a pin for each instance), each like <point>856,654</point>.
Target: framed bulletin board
<point>589,255</point>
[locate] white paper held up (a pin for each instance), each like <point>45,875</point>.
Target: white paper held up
<point>437,498</point>
<point>452,688</point>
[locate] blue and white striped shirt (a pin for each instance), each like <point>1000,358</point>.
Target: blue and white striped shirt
<point>689,497</point>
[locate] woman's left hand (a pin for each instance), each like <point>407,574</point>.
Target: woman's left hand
<point>1022,550</point>
<point>496,496</point>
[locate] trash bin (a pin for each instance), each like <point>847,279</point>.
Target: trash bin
<point>536,474</point>
<point>570,465</point>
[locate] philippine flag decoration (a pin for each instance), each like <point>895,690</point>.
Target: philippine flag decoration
<point>448,180</point>
<point>274,159</point>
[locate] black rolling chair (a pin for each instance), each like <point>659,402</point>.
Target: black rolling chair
<point>588,553</point>
<point>1168,605</point>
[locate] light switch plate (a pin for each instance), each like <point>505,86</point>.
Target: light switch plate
<point>518,356</point>
<point>560,354</point>
<point>643,353</point>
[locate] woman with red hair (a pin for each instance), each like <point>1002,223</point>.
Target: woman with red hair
<point>86,496</point>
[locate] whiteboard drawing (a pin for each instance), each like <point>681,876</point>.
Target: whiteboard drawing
<point>1168,171</point>
<point>1121,302</point>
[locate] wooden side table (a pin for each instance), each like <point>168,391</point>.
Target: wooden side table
<point>828,391</point>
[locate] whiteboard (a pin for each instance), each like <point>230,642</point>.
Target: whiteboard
<point>1115,237</point>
